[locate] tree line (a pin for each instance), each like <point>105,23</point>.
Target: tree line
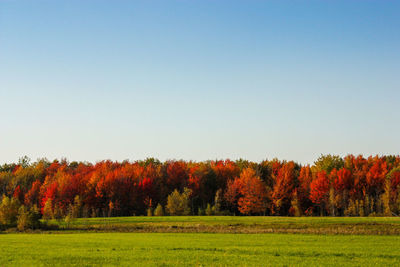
<point>332,186</point>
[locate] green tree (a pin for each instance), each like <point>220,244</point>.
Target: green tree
<point>209,210</point>
<point>24,161</point>
<point>178,203</point>
<point>216,209</point>
<point>77,207</point>
<point>23,219</point>
<point>159,211</point>
<point>295,208</point>
<point>9,211</point>
<point>34,217</point>
<point>57,213</point>
<point>48,210</point>
<point>328,163</point>
<point>200,212</point>
<point>386,198</point>
<point>70,216</point>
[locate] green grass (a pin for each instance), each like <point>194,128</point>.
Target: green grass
<point>208,240</point>
<point>140,249</point>
<point>236,224</point>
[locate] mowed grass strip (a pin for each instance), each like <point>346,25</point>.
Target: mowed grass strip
<point>189,249</point>
<point>237,224</point>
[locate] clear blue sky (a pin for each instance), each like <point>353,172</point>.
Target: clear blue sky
<point>198,80</point>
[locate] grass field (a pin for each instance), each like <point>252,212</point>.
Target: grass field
<point>237,224</point>
<point>216,241</point>
<point>139,249</point>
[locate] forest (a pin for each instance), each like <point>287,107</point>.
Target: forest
<point>332,186</point>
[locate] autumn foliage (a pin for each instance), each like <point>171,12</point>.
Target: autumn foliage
<point>253,193</point>
<point>349,186</point>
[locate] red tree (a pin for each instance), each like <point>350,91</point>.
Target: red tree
<point>253,193</point>
<point>319,190</point>
<point>32,196</point>
<point>232,193</point>
<point>283,188</point>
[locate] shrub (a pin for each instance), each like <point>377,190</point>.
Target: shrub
<point>209,211</point>
<point>68,220</point>
<point>159,210</point>
<point>28,219</point>
<point>200,212</point>
<point>149,212</point>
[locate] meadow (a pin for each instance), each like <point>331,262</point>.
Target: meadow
<point>197,249</point>
<point>238,224</point>
<point>207,240</point>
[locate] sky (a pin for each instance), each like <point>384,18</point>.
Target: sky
<point>198,79</point>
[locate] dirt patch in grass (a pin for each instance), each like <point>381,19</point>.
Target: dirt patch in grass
<point>355,229</point>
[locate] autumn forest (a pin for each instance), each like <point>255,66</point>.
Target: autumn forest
<point>332,186</point>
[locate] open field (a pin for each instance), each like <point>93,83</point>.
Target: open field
<point>236,224</point>
<point>208,240</point>
<point>138,249</point>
